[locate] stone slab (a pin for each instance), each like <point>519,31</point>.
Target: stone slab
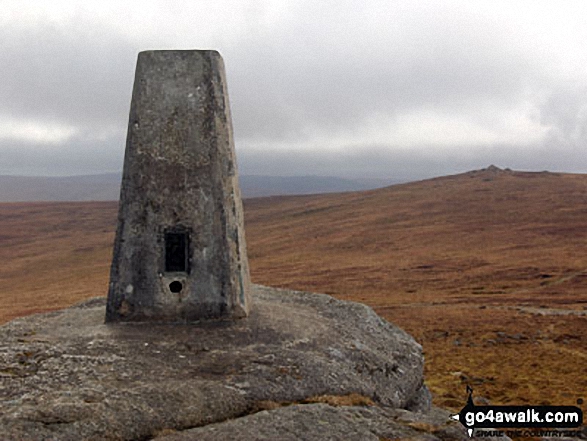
<point>66,375</point>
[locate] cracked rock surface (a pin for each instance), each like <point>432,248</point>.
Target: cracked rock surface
<point>66,375</point>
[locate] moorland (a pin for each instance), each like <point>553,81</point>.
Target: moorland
<point>486,269</point>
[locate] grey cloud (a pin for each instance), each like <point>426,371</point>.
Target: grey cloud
<point>565,111</point>
<point>78,157</point>
<point>80,74</point>
<point>304,80</point>
<point>328,67</point>
<point>374,161</point>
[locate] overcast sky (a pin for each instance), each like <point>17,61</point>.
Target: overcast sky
<point>393,89</point>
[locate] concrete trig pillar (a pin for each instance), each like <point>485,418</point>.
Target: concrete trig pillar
<point>179,252</point>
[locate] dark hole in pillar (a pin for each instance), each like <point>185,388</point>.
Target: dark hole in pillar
<point>176,251</point>
<point>175,286</point>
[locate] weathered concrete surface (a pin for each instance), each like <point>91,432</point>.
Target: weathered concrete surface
<point>179,177</point>
<point>67,376</point>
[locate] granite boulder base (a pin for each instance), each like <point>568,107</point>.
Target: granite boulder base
<point>302,366</point>
<point>180,251</point>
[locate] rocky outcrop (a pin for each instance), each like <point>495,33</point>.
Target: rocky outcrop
<point>301,366</point>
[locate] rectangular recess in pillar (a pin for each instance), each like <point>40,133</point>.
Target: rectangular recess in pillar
<point>176,251</point>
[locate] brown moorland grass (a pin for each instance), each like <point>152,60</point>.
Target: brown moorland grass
<point>488,270</point>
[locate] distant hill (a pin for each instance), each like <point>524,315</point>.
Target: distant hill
<point>101,187</point>
<point>106,187</point>
<point>257,186</point>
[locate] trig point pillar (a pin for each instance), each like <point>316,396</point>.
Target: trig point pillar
<point>180,251</point>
